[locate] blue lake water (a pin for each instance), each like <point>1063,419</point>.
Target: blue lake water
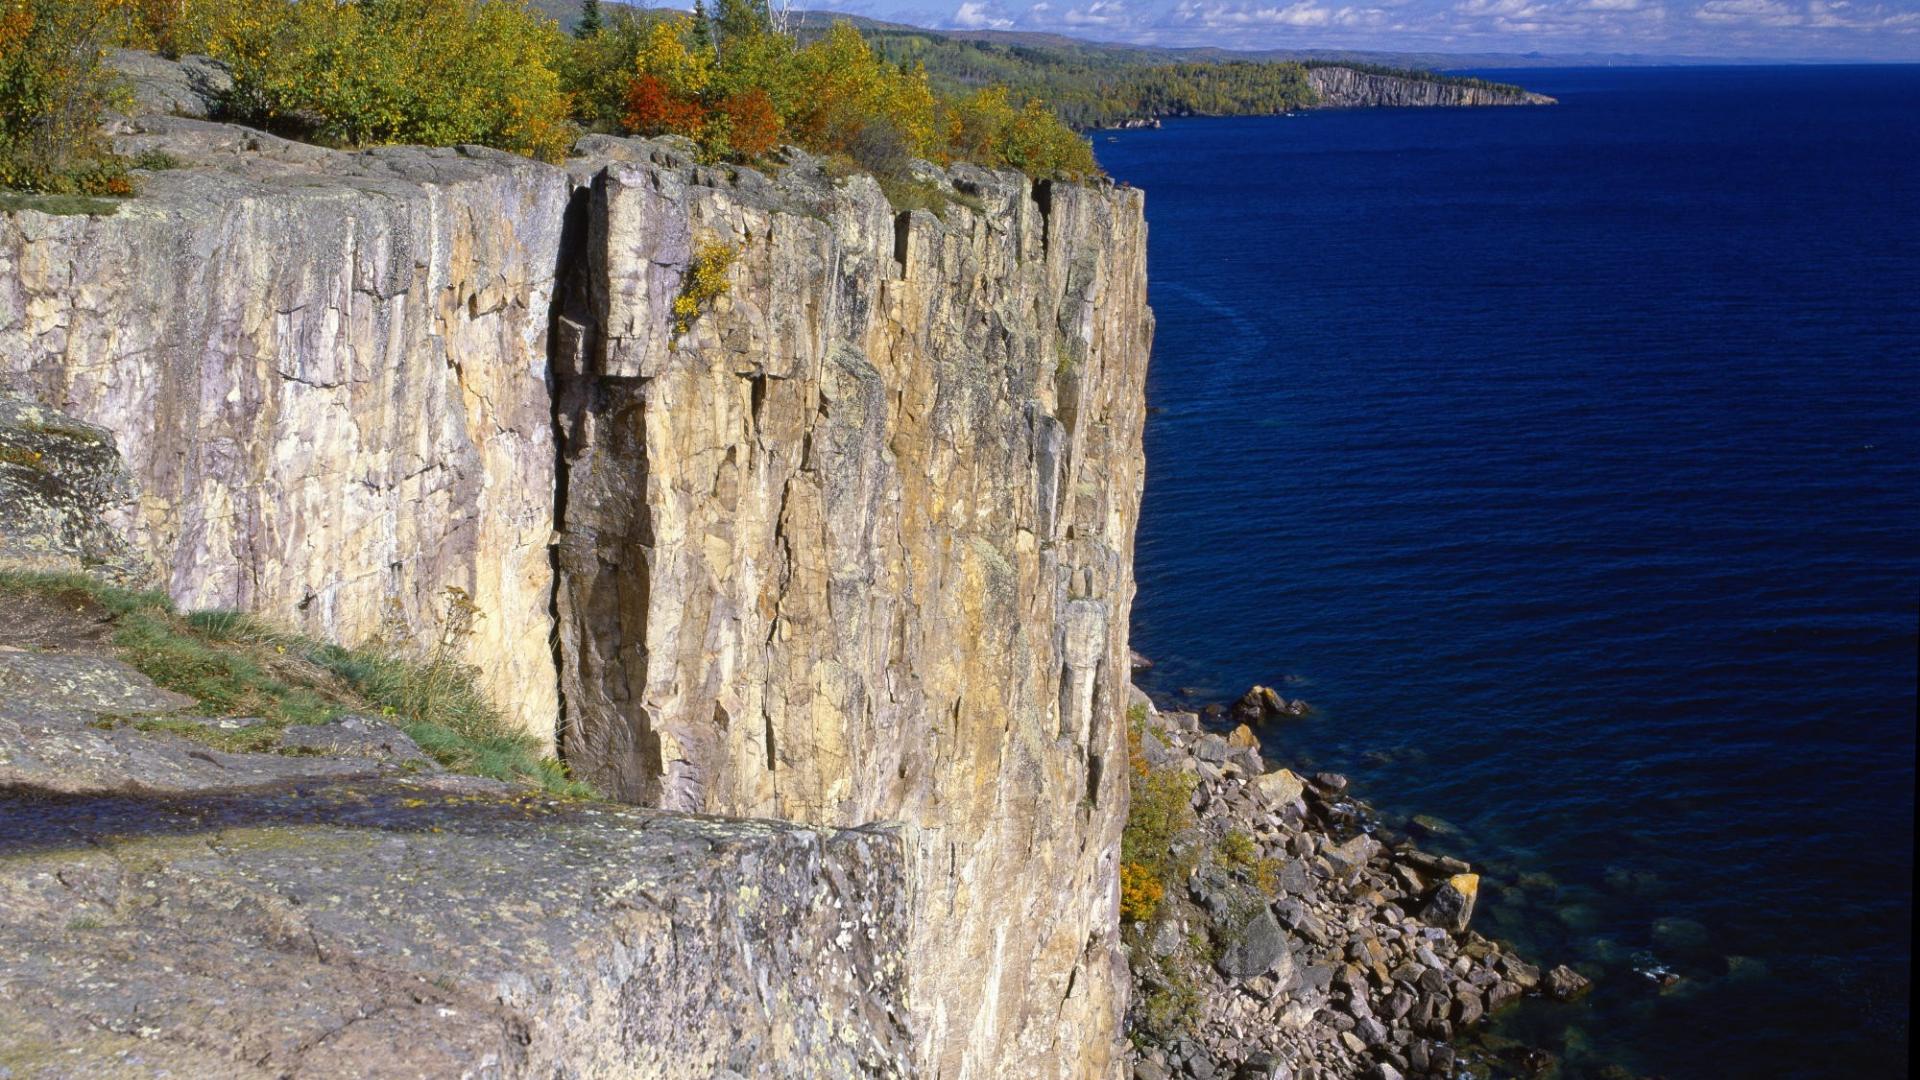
<point>1568,461</point>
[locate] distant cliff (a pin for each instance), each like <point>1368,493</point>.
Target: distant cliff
<point>852,545</point>
<point>1347,88</point>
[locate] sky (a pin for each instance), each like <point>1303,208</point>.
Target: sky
<point>1781,29</point>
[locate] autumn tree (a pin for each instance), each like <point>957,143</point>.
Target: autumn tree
<point>53,87</point>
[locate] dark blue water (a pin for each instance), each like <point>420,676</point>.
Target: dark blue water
<point>1568,460</point>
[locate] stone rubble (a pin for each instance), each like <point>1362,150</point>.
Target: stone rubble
<point>1355,960</point>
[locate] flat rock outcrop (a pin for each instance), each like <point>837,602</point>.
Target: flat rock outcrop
<point>335,905</point>
<point>424,928</point>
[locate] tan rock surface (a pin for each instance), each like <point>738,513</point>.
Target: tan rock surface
<point>326,373</point>
<point>856,549</point>
<point>859,547</point>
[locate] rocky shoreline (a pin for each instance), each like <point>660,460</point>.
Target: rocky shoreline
<point>1306,943</point>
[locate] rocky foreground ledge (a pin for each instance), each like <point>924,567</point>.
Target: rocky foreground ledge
<point>341,907</point>
<point>1302,947</point>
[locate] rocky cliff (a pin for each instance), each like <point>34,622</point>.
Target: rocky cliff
<point>326,373</point>
<point>855,547</point>
<point>858,547</point>
<point>1344,88</point>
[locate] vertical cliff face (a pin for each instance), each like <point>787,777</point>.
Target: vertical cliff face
<point>1345,88</point>
<point>326,373</point>
<point>858,547</point>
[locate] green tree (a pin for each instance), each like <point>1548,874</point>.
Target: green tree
<point>591,21</point>
<point>702,27</point>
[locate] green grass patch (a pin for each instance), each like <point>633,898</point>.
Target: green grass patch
<point>237,666</point>
<point>65,205</point>
<point>155,161</point>
<point>260,738</point>
<point>909,194</point>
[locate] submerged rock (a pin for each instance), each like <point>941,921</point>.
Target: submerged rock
<point>1564,984</point>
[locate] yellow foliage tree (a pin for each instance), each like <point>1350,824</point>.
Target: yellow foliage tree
<point>367,72</point>
<point>53,87</point>
<point>667,54</point>
<point>849,90</point>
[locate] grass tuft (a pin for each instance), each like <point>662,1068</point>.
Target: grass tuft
<point>235,665</point>
<point>58,205</point>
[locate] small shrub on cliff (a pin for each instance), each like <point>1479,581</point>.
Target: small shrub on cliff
<point>1238,852</point>
<point>171,27</point>
<point>1156,847</point>
<point>1169,1008</point>
<point>1140,892</point>
<point>597,68</point>
<point>53,87</point>
<point>706,281</point>
<point>985,127</point>
<point>737,88</point>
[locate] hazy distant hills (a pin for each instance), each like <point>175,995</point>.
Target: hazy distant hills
<point>567,11</point>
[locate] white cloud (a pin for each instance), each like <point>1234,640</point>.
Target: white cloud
<point>1508,8</point>
<point>1098,13</point>
<point>973,15</point>
<point>1302,14</point>
<point>1750,12</point>
<point>1888,29</point>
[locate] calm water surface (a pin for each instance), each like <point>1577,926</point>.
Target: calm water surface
<point>1568,460</point>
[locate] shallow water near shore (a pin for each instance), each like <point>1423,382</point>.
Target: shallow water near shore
<point>1565,459</point>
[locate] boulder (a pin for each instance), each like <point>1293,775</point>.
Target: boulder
<point>1451,906</point>
<point>1263,703</point>
<point>1564,984</point>
<point>1351,856</point>
<point>1263,1067</point>
<point>1257,947</point>
<point>192,86</point>
<point>62,486</point>
<point>1279,787</point>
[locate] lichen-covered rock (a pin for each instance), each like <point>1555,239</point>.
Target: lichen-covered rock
<point>858,546</point>
<point>407,930</point>
<point>191,86</point>
<point>62,486</point>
